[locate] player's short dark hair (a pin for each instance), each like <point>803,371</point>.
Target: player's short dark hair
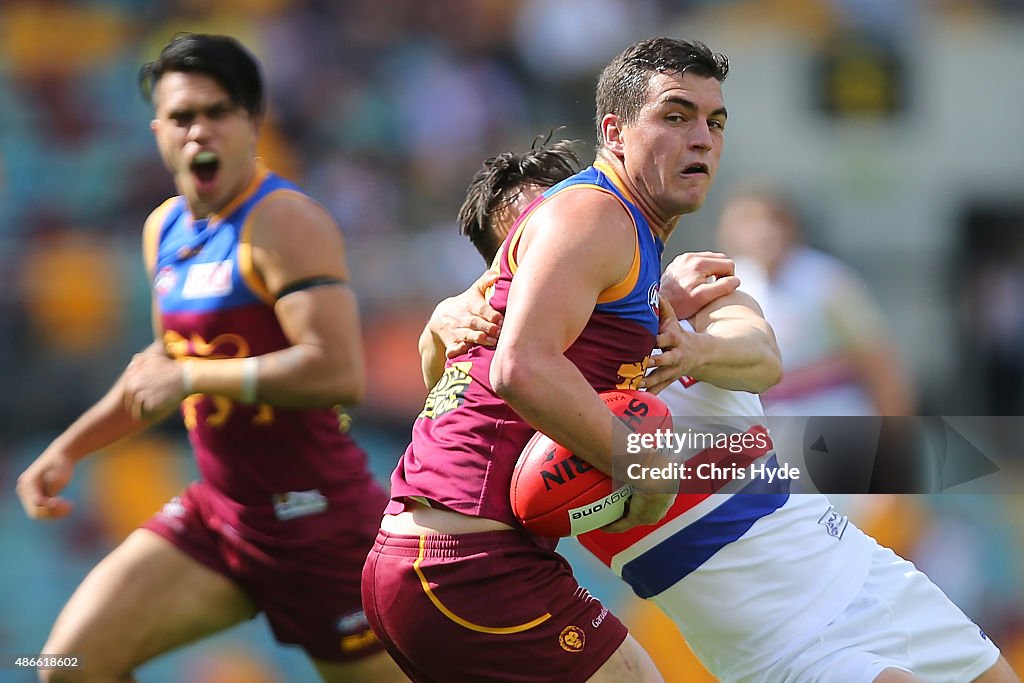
<point>623,85</point>
<point>500,179</point>
<point>222,58</point>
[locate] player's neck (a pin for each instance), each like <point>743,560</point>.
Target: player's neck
<point>207,209</point>
<point>662,226</point>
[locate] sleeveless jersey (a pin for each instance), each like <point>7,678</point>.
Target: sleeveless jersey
<point>740,573</point>
<point>212,304</point>
<point>466,441</point>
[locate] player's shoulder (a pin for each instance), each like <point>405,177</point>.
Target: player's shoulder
<point>153,226</point>
<point>585,208</point>
<point>158,216</point>
<point>289,213</point>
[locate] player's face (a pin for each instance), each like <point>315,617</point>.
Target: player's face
<point>206,140</point>
<point>752,228</point>
<point>671,151</point>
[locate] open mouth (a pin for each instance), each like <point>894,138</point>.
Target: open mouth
<point>696,169</point>
<point>205,166</point>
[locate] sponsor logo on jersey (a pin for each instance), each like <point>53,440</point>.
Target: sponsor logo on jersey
<point>205,280</point>
<point>599,619</point>
<point>572,639</point>
<point>834,523</point>
<point>173,508</point>
<point>165,280</point>
<point>298,504</point>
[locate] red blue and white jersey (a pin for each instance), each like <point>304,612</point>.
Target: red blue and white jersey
<point>466,441</point>
<point>734,564</point>
<point>265,461</point>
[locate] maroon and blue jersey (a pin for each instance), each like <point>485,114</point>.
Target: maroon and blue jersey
<point>466,441</point>
<point>270,461</point>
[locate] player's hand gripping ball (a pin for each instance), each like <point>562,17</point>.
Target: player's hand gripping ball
<point>555,493</point>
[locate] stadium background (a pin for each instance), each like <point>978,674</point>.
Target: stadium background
<point>895,122</point>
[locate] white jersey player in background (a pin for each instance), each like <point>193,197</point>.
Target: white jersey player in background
<point>767,586</point>
<point>839,357</point>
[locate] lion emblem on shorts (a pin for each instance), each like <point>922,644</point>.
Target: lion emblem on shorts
<point>572,639</point>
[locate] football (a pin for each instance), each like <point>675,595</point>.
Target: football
<point>555,493</point>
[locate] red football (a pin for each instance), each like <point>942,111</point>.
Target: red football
<point>555,493</point>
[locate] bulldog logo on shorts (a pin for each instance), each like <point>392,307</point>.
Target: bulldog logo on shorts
<point>572,639</point>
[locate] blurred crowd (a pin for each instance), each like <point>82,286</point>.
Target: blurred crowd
<point>382,111</point>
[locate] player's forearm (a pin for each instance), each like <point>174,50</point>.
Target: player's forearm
<point>432,356</point>
<point>554,398</point>
<point>739,355</point>
<point>300,376</point>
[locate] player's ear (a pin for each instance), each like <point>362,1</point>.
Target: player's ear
<point>153,124</point>
<point>611,133</point>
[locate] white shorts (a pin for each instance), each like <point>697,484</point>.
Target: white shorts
<point>899,620</point>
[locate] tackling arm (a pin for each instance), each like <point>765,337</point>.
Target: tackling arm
<point>735,346</point>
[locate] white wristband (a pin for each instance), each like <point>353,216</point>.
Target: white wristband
<point>250,379</point>
<point>186,377</point>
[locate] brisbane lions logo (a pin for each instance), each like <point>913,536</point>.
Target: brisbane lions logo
<point>654,299</point>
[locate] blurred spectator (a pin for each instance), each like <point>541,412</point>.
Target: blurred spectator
<point>70,285</point>
<point>836,354</point>
<point>995,311</point>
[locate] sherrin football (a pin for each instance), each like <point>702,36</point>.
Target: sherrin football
<point>555,493</point>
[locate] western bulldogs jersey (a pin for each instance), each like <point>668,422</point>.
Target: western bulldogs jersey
<point>742,566</point>
<point>212,304</point>
<point>466,441</point>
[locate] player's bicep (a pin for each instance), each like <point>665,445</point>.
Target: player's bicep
<point>296,245</point>
<point>326,317</point>
<point>562,270</point>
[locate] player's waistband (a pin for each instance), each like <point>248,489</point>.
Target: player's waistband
<point>446,545</point>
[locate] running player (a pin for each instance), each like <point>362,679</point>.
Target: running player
<point>257,339</point>
<point>455,588</point>
<point>768,586</point>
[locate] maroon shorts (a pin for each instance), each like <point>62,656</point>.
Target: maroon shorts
<point>303,573</point>
<point>488,606</point>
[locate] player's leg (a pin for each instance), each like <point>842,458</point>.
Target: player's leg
<point>629,663</point>
<point>1000,672</point>
<point>379,668</point>
<point>145,598</point>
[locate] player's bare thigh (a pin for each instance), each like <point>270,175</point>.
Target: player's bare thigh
<point>377,668</point>
<point>143,599</point>
<point>1000,672</point>
<point>629,662</point>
